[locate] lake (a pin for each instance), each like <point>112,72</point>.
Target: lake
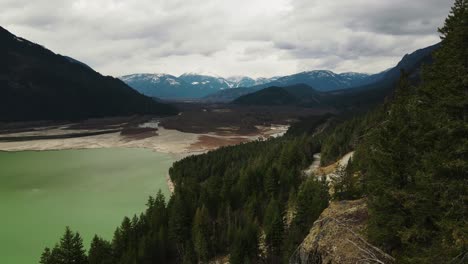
<point>89,190</point>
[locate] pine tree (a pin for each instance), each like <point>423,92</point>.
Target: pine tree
<point>417,165</point>
<point>121,246</point>
<point>69,250</point>
<point>244,248</point>
<point>273,225</point>
<point>179,225</point>
<point>156,243</point>
<point>201,236</point>
<point>100,251</point>
<point>271,181</point>
<point>46,257</point>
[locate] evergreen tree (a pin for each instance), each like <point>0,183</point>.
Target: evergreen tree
<point>416,167</point>
<point>346,184</point>
<point>100,251</point>
<point>179,225</point>
<point>46,257</point>
<point>69,250</point>
<point>201,230</point>
<point>274,230</point>
<point>245,245</point>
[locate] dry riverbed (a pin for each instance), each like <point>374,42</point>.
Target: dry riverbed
<point>147,133</point>
<point>161,140</point>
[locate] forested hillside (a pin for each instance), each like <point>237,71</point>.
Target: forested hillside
<point>37,84</point>
<point>251,202</point>
<point>229,201</point>
<point>412,157</point>
<point>300,94</point>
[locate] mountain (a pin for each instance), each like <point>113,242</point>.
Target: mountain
<point>300,94</point>
<point>244,81</point>
<point>323,80</point>
<point>168,86</point>
<point>374,93</point>
<point>37,84</point>
<point>215,88</point>
<point>268,96</point>
<point>205,82</point>
<point>352,84</point>
<point>187,85</point>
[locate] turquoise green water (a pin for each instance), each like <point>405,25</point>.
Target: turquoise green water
<point>88,190</point>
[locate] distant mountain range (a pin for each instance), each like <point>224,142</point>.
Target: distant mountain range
<point>219,89</point>
<point>186,86</point>
<point>37,84</point>
<point>307,96</point>
<point>193,86</point>
<point>344,84</point>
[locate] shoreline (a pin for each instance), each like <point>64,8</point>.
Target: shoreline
<point>169,141</point>
<point>170,184</point>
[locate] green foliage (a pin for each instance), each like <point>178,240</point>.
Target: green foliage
<point>347,185</point>
<point>100,251</point>
<point>346,136</point>
<point>201,234</point>
<point>69,250</point>
<point>273,225</point>
<point>414,163</point>
<point>224,201</point>
<point>311,200</point>
<point>244,248</point>
<point>46,256</point>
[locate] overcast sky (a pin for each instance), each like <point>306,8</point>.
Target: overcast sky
<point>236,37</point>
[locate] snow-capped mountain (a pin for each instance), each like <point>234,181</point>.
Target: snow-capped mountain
<point>193,85</point>
<point>187,85</point>
<point>323,80</point>
<point>157,78</point>
<point>206,81</point>
<point>244,81</point>
<point>157,85</point>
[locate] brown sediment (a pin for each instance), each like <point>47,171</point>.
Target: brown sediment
<point>138,133</point>
<point>206,142</point>
<point>128,133</point>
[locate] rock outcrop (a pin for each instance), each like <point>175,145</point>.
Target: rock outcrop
<point>338,237</point>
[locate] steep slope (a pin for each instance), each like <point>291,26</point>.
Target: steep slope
<point>36,83</point>
<point>410,157</point>
<point>337,237</point>
<point>371,94</point>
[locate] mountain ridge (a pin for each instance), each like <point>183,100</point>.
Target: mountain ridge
<point>38,84</point>
<point>383,80</point>
<point>194,85</point>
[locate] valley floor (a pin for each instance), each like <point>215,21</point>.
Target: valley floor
<point>169,141</point>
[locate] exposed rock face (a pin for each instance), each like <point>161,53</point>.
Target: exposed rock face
<point>338,237</point>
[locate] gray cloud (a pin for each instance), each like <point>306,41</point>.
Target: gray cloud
<point>238,37</point>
